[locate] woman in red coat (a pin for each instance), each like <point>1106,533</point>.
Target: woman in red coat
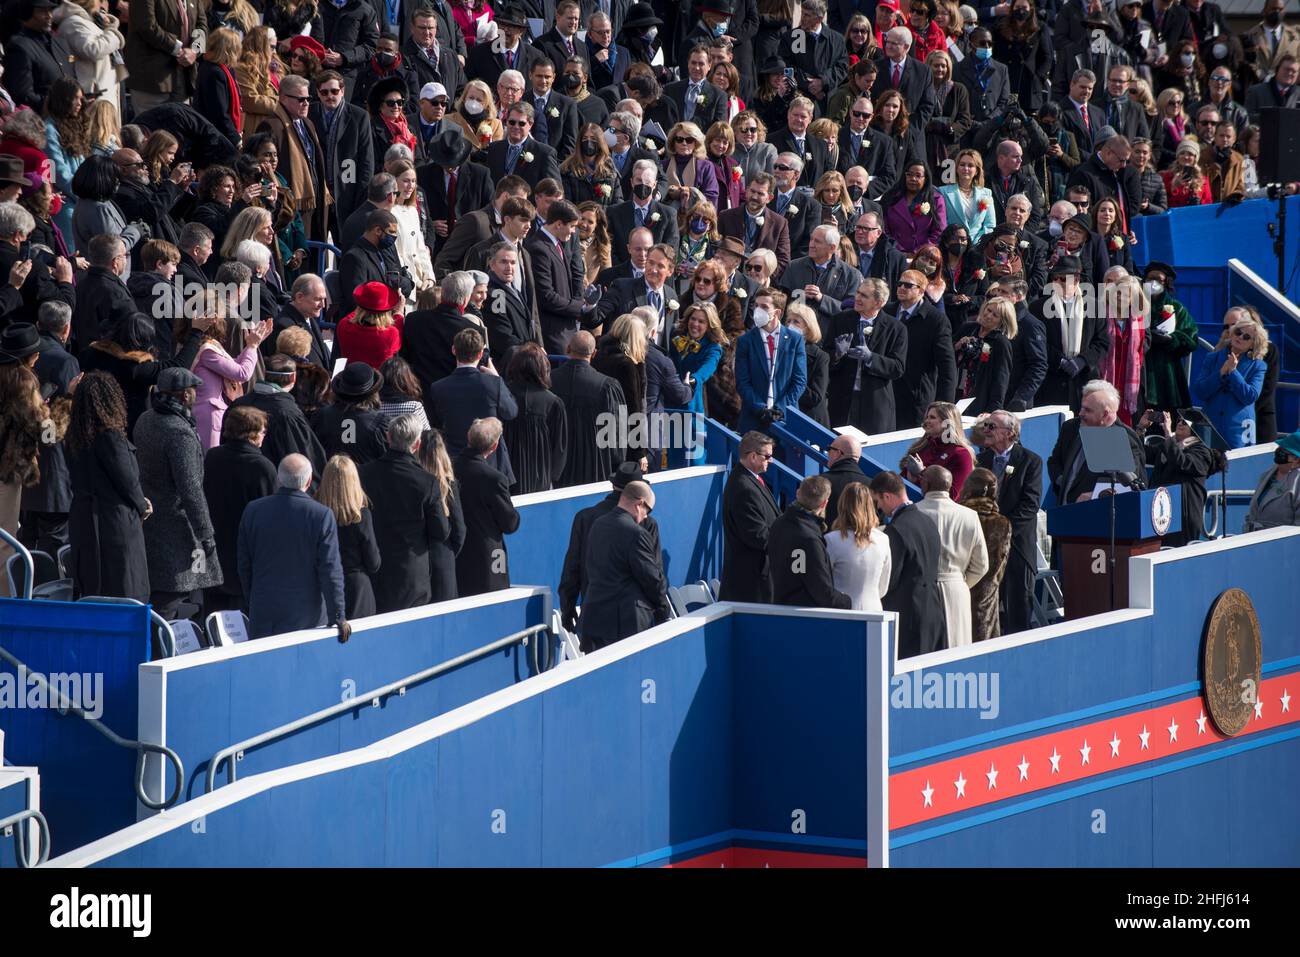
<point>1185,183</point>
<point>373,332</point>
<point>943,442</point>
<point>927,36</point>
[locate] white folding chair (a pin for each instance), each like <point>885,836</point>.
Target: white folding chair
<point>570,649</point>
<point>687,598</point>
<point>188,636</point>
<point>227,628</point>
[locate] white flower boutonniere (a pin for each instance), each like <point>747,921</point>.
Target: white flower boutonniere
<point>1024,244</point>
<point>648,143</point>
<point>807,157</point>
<point>758,221</point>
<point>925,209</point>
<point>526,157</point>
<point>1009,470</point>
<point>700,99</point>
<point>604,189</point>
<point>553,113</point>
<point>654,217</point>
<point>980,274</point>
<point>673,305</point>
<point>738,293</point>
<point>792,210</point>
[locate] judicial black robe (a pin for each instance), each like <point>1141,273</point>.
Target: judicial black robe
<point>587,394</point>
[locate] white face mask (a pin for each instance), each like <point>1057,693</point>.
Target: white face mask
<point>761,318</point>
<point>1220,51</point>
<point>1054,228</point>
<point>1188,59</point>
<point>473,107</point>
<point>611,139</point>
<point>1153,288</point>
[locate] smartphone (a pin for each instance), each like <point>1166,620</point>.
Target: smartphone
<point>266,185</point>
<point>789,75</point>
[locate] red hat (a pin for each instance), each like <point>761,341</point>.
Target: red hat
<point>311,44</point>
<point>888,5</point>
<point>375,297</point>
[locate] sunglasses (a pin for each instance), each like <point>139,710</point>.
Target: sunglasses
<point>330,92</point>
<point>516,122</point>
<point>393,102</point>
<point>684,139</point>
<point>440,104</point>
<point>1220,79</point>
<point>1243,336</point>
<point>783,168</point>
<point>753,267</point>
<point>296,99</point>
<point>904,284</point>
<point>749,129</point>
<point>1176,102</point>
<point>862,114</point>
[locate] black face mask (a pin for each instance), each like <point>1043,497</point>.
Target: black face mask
<point>1273,18</point>
<point>957,248</point>
<point>571,81</point>
<point>386,60</point>
<point>590,148</point>
<point>642,191</point>
<point>855,192</point>
<point>1020,14</point>
<point>1281,456</point>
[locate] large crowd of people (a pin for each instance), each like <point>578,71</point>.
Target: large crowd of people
<point>295,295</point>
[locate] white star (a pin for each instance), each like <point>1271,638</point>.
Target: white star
<point>1144,734</point>
<point>1024,768</point>
<point>992,775</point>
<point>1259,708</point>
<point>1200,723</point>
<point>1173,730</point>
<point>961,785</point>
<point>1056,761</point>
<point>1286,700</point>
<point>1114,746</point>
<point>928,793</point>
<point>1085,751</point>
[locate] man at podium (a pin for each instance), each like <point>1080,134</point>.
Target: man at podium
<point>1067,467</point>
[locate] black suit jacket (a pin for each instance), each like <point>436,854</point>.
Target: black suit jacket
<point>1029,361</point>
<point>796,534</point>
<point>346,430</point>
<point>290,317</point>
<point>813,146</point>
<point>1019,496</point>
<point>543,165</point>
<point>33,61</point>
<point>470,230</point>
<point>350,155</point>
<point>1263,95</point>
<point>876,156</point>
<point>802,223</point>
<point>508,322</point>
<point>887,263</point>
<point>426,342</point>
<point>611,274</point>
<point>448,72</point>
<point>622,220</point>
<point>103,301</point>
<point>914,550</point>
<point>484,63</point>
<point>889,348</point>
<point>841,475</point>
<point>839,281</point>
<point>1072,122</point>
<point>773,234</point>
<point>818,57</point>
<point>1094,174</point>
<point>354,227</point>
<point>992,97</point>
<point>551,44</point>
<point>748,511</point>
<point>365,263</point>
<point>409,519</point>
<point>931,373</point>
<point>917,88</point>
<point>625,591</point>
<point>474,188</point>
<point>561,131</point>
<point>455,401</point>
<point>1058,388</point>
<point>558,281</point>
<point>602,75</point>
<point>1069,448</point>
<point>712,110</point>
<point>483,564</point>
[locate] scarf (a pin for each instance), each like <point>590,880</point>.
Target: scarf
<point>236,110</point>
<point>1122,365</point>
<point>1071,325</point>
<point>1175,128</point>
<point>687,176</point>
<point>170,405</point>
<point>399,131</point>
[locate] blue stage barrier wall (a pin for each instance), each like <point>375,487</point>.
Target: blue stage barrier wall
<point>688,504</point>
<point>16,795</point>
<point>209,700</point>
<point>79,768</point>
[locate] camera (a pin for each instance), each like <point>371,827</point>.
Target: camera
<point>970,350</point>
<point>768,416</point>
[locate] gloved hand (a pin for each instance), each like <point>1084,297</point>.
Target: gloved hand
<point>345,631</point>
<point>859,353</point>
<point>842,345</point>
<point>1072,366</point>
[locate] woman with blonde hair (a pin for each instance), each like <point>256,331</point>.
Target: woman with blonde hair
<point>257,224</point>
<point>237,16</point>
<point>620,354</point>
<point>968,202</point>
<point>953,111</point>
<point>159,155</point>
<point>412,247</point>
<point>828,131</point>
<point>588,174</point>
<point>476,114</point>
<point>697,348</point>
<point>221,377</point>
<point>985,356</point>
<point>442,554</point>
<point>1230,381</point>
<point>593,237</point>
<point>1169,124</point>
<point>943,442</point>
<point>373,332</point>
<point>688,167</point>
<point>697,225</point>
<point>980,495</point>
<point>753,152</point>
<point>803,319</point>
<point>858,549</point>
<point>837,208</point>
<point>103,127</point>
<point>257,91</point>
<point>340,492</point>
<point>95,39</point>
<point>216,97</point>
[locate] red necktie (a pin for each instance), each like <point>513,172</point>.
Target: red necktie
<point>510,59</point>
<point>898,74</point>
<point>771,348</point>
<point>1086,125</point>
<point>559,248</point>
<point>1006,184</point>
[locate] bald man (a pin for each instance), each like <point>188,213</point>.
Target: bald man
<point>626,592</point>
<point>140,203</point>
<point>842,471</point>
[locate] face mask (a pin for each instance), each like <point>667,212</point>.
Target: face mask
<point>721,27</point>
<point>611,139</point>
<point>590,148</point>
<point>1049,127</point>
<point>651,34</point>
<point>925,266</point>
<point>1273,18</point>
<point>387,241</point>
<point>1220,51</point>
<point>1153,288</point>
<point>386,60</point>
<point>642,191</point>
<point>699,225</point>
<point>1281,456</point>
<point>472,107</point>
<point>855,192</point>
<point>1187,59</point>
<point>572,81</point>
<point>761,318</point>
<point>1020,14</point>
<point>1053,229</point>
<point>983,53</point>
<point>957,248</point>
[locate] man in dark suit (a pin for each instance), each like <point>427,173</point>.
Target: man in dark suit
<point>794,203</point>
<point>555,116</point>
<point>288,558</point>
<point>861,145</point>
<point>748,511</point>
<point>652,289</point>
<point>771,365</point>
<point>470,392</point>
<point>562,41</point>
<point>1078,114</point>
<point>518,153</point>
<point>1029,348</point>
<point>608,60</point>
<point>822,280</point>
<point>453,186</point>
<point>641,210</point>
<point>796,551</point>
<point>1107,173</point>
<point>1077,339</point>
<point>487,61</point>
<point>34,56</point>
<point>302,157</point>
<point>1008,177</point>
<point>639,243</point>
<point>842,470</point>
<point>507,317</point>
<point>909,76</point>
<point>931,371</point>
<point>483,564</point>
<point>914,550</point>
<point>1281,91</point>
<point>699,101</point>
<point>1015,236</point>
<point>589,397</point>
<point>196,249</point>
<point>814,158</point>
<point>625,590</point>
<point>344,132</point>
<point>558,278</point>
<point>429,56</point>
<point>427,336</point>
<point>985,79</point>
<point>474,228</point>
<point>820,61</point>
<point>1067,466</point>
<point>627,150</point>
<point>351,36</point>
<point>302,311</point>
<point>1123,114</point>
<point>1020,491</point>
<point>372,259</point>
<point>868,353</point>
<point>752,225</point>
<point>878,258</point>
<point>381,193</point>
<point>103,301</point>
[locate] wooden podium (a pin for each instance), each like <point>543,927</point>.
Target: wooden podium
<point>1081,536</point>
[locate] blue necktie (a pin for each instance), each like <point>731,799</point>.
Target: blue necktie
<point>692,92</point>
<point>640,215</point>
<point>751,230</point>
<point>655,301</point>
<point>512,157</point>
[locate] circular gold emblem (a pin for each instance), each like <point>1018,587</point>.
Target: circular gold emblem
<point>1232,661</point>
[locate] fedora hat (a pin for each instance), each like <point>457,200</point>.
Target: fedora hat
<point>357,381</point>
<point>19,341</point>
<point>12,170</point>
<point>448,148</point>
<point>733,245</point>
<point>772,65</point>
<point>1066,266</point>
<point>512,15</point>
<point>641,15</point>
<point>375,296</point>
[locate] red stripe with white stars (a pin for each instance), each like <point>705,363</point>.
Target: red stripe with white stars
<point>1061,757</point>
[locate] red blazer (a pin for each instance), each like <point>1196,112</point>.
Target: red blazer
<point>1180,195</point>
<point>368,344</point>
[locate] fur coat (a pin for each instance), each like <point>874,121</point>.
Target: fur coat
<point>984,595</point>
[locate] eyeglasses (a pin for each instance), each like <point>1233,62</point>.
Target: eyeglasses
<point>748,130</point>
<point>1207,122</point>
<point>1243,336</point>
<point>393,102</point>
<point>904,284</point>
<point>296,99</point>
<point>330,92</point>
<point>862,114</point>
<point>858,30</point>
<point>753,267</point>
<point>765,456</point>
<point>516,122</point>
<point>866,229</point>
<point>1220,79</point>
<point>684,139</point>
<point>783,168</point>
<point>704,281</point>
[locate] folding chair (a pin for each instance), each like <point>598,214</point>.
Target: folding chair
<point>47,582</point>
<point>570,650</point>
<point>1048,599</point>
<point>188,636</point>
<point>687,598</point>
<point>226,628</point>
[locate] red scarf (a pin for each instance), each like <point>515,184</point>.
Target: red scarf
<point>236,112</point>
<point>1122,366</point>
<point>398,130</point>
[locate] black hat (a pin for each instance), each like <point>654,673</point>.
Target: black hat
<point>1066,266</point>
<point>627,472</point>
<point>640,15</point>
<point>1165,268</point>
<point>12,171</point>
<point>717,6</point>
<point>448,148</point>
<point>389,84</point>
<point>43,4</point>
<point>18,341</point>
<point>773,64</point>
<point>511,15</point>
<point>357,381</point>
<point>1082,221</point>
<point>177,379</point>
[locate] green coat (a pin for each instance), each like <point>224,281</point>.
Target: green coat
<point>1164,383</point>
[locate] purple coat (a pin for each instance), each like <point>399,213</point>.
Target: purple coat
<point>731,188</point>
<point>706,180</point>
<point>213,367</point>
<point>911,230</point>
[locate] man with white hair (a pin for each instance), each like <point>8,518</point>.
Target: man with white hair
<point>490,516</point>
<point>1067,468</point>
<point>288,557</point>
<point>821,280</point>
<point>641,209</point>
<point>909,76</point>
<point>794,203</point>
<point>821,62</point>
<point>621,132</point>
<point>1019,472</point>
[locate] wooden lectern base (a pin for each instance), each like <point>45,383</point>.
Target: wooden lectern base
<point>1085,573</point>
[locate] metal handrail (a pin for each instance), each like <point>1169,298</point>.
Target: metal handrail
<point>29,566</point>
<point>21,853</point>
<point>230,755</point>
<point>1211,494</point>
<point>168,637</point>
<point>141,748</point>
